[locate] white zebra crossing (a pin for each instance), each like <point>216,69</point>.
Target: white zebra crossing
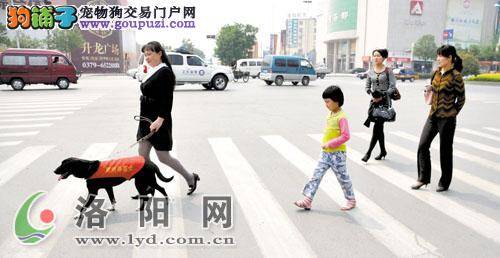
<point>11,143</point>
<point>176,218</point>
<point>29,133</point>
<point>15,104</point>
<point>32,119</point>
<point>25,126</point>
<point>476,221</point>
<point>275,233</point>
<point>492,129</point>
<point>44,105</point>
<point>60,200</point>
<point>38,114</point>
<point>477,133</point>
<point>24,110</point>
<point>477,145</point>
<point>15,164</point>
<point>463,155</point>
<point>398,238</point>
<point>463,176</point>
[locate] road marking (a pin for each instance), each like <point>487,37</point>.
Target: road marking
<point>15,164</point>
<point>31,133</point>
<point>275,233</point>
<point>32,119</point>
<point>478,222</point>
<point>461,175</point>
<point>38,114</point>
<point>25,126</point>
<point>13,143</point>
<point>175,215</point>
<point>492,129</point>
<point>15,104</point>
<point>474,132</point>
<point>61,199</point>
<point>477,145</point>
<point>467,156</point>
<point>24,110</point>
<point>398,238</point>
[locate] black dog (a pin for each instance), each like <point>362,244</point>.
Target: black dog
<point>145,180</point>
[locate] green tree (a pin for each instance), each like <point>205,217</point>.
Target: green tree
<point>425,48</point>
<point>234,41</point>
<point>25,41</point>
<point>470,63</point>
<point>4,40</point>
<point>66,40</point>
<point>189,46</point>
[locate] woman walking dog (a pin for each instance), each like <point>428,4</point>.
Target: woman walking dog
<point>157,90</point>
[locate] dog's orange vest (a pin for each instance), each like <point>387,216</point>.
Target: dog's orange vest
<point>124,167</point>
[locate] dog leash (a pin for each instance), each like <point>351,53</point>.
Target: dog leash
<point>138,118</point>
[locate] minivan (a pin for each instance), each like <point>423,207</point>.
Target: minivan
<point>19,67</point>
<point>253,66</point>
<point>278,69</point>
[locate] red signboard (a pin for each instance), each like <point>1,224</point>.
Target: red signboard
<point>416,7</point>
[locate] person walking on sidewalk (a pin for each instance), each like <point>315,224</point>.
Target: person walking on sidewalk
<point>381,84</point>
<point>447,99</point>
<point>334,151</point>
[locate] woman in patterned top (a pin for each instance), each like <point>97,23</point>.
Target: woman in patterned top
<point>381,84</point>
<point>448,98</point>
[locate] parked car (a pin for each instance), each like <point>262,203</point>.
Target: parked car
<point>322,70</point>
<point>362,75</point>
<point>357,70</point>
<point>19,67</point>
<point>278,69</point>
<point>404,74</point>
<point>252,66</point>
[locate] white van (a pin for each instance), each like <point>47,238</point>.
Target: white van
<point>253,66</point>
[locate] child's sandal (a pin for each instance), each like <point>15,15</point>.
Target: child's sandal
<point>304,204</point>
<point>351,204</point>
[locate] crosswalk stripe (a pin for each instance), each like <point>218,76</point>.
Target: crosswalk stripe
<point>275,233</point>
<point>398,238</point>
<point>12,143</point>
<point>478,222</point>
<point>24,110</point>
<point>12,166</point>
<point>492,129</point>
<point>467,156</point>
<point>474,132</point>
<point>39,114</point>
<point>32,119</point>
<point>61,200</point>
<point>477,145</point>
<point>48,99</point>
<point>31,133</point>
<point>25,126</point>
<point>48,105</point>
<point>461,175</point>
<point>78,102</point>
<point>176,218</point>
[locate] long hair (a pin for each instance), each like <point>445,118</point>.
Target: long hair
<point>156,47</point>
<point>449,50</point>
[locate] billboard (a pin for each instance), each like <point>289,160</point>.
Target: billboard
<point>465,18</point>
<point>342,15</point>
<point>102,51</point>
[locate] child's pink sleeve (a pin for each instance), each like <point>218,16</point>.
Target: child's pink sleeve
<point>344,135</point>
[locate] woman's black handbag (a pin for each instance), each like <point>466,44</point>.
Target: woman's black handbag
<point>385,113</point>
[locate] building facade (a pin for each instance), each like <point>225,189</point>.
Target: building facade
<point>354,28</point>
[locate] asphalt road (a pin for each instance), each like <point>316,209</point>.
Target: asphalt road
<point>256,144</point>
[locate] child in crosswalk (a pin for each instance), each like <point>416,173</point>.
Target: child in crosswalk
<point>333,154</point>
